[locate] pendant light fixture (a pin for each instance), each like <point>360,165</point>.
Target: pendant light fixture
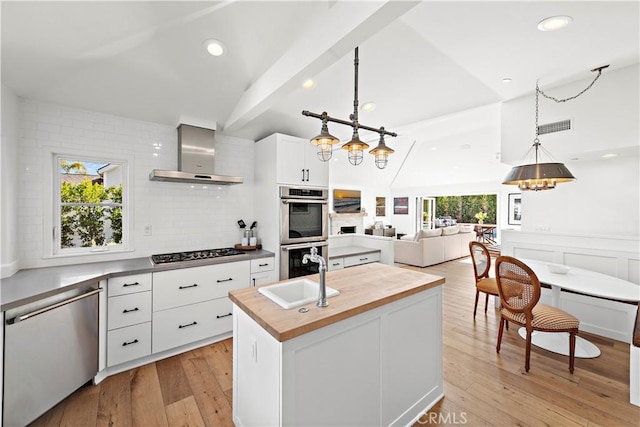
<point>540,175</point>
<point>355,148</point>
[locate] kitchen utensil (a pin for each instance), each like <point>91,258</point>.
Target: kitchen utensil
<point>253,225</point>
<point>241,223</point>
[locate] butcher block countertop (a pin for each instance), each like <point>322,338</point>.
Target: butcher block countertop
<point>362,288</point>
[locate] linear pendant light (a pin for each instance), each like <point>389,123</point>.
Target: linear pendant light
<point>355,147</point>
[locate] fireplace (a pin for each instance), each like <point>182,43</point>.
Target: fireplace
<point>347,229</point>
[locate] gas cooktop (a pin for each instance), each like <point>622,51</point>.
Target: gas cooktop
<point>194,255</point>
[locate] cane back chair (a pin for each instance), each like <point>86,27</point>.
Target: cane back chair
<point>481,267</point>
<point>519,290</point>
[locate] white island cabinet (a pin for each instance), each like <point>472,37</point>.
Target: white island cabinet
<point>373,357</point>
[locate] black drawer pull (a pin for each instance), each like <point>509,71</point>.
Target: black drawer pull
<point>129,311</point>
<point>124,344</point>
<point>187,325</point>
<point>224,315</point>
<point>263,265</point>
<point>224,280</point>
<point>130,284</point>
<point>336,263</point>
<point>195,285</point>
<point>363,259</point>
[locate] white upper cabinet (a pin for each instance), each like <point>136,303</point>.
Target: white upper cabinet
<point>296,161</point>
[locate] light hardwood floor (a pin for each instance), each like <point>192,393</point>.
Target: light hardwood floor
<point>481,387</point>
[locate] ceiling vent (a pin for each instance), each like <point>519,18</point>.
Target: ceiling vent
<point>554,127</point>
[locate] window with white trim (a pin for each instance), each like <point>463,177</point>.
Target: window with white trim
<point>89,208</point>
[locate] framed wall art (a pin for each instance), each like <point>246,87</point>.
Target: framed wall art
<point>515,209</point>
<point>401,205</point>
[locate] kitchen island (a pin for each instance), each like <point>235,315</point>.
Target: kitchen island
<point>372,357</point>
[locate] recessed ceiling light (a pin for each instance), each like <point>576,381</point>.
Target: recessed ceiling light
<point>554,23</point>
<point>214,47</point>
<point>368,106</point>
<point>308,84</point>
<point>506,80</point>
<point>434,148</point>
<point>609,155</point>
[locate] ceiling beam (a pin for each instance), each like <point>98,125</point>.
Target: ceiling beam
<point>343,27</point>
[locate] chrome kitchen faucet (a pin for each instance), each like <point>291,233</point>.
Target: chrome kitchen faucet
<point>322,268</point>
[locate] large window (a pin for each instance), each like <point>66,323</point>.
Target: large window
<point>89,205</point>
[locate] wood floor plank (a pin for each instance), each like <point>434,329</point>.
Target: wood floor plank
<point>184,413</point>
<point>212,403</point>
<point>173,382</point>
<point>82,410</point>
<point>147,405</point>
<point>220,361</point>
<point>114,405</point>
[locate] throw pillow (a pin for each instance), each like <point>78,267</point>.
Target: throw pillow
<point>467,228</point>
<point>447,231</point>
<point>407,237</point>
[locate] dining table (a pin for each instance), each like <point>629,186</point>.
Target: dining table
<point>581,281</point>
<point>485,233</point>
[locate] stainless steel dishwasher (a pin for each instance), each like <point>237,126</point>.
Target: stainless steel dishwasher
<point>51,349</point>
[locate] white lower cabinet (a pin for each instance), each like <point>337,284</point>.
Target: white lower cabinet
<point>182,325</point>
<point>130,343</point>
<point>128,318</point>
<point>153,312</point>
<point>262,271</point>
<point>381,367</point>
<point>336,263</point>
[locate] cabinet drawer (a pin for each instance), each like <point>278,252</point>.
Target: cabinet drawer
<point>185,286</point>
<point>127,310</point>
<point>262,264</point>
<point>182,325</point>
<point>128,343</point>
<point>129,284</point>
<point>350,261</point>
<point>259,279</point>
<point>335,264</point>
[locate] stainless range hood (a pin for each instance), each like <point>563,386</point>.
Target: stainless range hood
<point>196,156</point>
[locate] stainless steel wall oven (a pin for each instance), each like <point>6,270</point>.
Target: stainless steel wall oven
<point>304,222</point>
<point>304,215</point>
<point>291,259</point>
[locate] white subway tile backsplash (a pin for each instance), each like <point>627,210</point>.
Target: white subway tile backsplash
<point>183,218</point>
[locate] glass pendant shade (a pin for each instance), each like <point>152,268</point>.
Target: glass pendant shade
<point>325,142</point>
<point>538,176</point>
<point>355,148</point>
<point>381,153</point>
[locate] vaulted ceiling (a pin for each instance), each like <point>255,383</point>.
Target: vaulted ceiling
<point>419,61</point>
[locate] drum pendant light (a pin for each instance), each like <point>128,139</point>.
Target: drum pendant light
<point>540,175</point>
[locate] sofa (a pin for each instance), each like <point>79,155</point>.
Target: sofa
<point>430,247</point>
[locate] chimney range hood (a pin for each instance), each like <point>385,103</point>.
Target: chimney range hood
<point>196,155</point>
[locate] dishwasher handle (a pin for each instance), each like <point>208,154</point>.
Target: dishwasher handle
<point>51,307</point>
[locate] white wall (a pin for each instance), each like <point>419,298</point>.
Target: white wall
<point>181,217</point>
<point>605,197</point>
<point>9,172</point>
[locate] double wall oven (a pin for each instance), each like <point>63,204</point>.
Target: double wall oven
<point>304,219</point>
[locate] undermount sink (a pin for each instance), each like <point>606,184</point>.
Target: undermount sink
<point>294,293</point>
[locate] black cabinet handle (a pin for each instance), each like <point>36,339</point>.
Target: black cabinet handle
<point>129,311</point>
<point>302,175</point>
<point>263,265</point>
<point>307,175</point>
<point>254,281</point>
<point>130,284</point>
<point>335,263</point>
<point>224,315</point>
<point>363,259</point>
<point>124,344</point>
<point>187,325</point>
<point>195,285</point>
<point>224,280</point>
